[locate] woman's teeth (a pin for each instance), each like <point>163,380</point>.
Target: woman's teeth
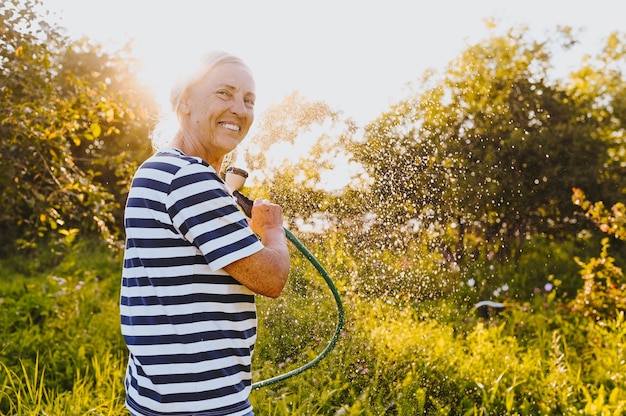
<point>232,127</point>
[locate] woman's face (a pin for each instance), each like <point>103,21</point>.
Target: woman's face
<point>220,109</point>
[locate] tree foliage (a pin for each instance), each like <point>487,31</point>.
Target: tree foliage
<point>492,149</point>
<point>73,123</point>
<point>599,86</point>
<point>604,286</point>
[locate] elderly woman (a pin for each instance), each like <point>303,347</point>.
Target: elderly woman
<point>193,262</point>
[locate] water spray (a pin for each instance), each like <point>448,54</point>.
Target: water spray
<point>235,178</point>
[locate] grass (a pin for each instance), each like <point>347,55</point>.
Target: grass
<point>62,354</point>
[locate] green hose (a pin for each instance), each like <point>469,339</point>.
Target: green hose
<point>335,337</point>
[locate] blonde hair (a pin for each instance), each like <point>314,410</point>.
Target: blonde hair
<point>167,126</point>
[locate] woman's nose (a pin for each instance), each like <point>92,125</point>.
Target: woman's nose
<point>238,106</point>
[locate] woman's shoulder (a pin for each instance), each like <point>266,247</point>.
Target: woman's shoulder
<point>173,160</point>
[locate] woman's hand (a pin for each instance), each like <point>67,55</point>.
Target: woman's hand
<point>266,217</point>
<point>265,272</point>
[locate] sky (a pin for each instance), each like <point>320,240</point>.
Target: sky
<point>358,56</point>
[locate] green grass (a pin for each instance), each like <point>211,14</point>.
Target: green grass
<point>62,353</point>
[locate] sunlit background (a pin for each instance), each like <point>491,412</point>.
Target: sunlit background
<point>357,56</point>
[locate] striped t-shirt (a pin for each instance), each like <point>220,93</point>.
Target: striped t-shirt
<point>190,327</point>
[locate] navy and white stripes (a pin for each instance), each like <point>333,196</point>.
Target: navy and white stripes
<point>190,327</point>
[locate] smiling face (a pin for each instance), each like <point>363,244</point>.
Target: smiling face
<point>217,112</point>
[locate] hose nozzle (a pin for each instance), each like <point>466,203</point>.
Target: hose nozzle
<point>235,178</point>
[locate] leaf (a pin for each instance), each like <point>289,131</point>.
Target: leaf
<point>96,130</point>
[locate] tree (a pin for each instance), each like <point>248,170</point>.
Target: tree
<point>61,103</point>
<point>599,84</point>
<point>489,153</point>
<point>125,121</point>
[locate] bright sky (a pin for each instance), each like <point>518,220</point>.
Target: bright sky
<point>355,55</point>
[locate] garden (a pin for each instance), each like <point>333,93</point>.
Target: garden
<point>493,183</point>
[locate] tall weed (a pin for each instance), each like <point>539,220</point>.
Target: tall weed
<point>61,337</point>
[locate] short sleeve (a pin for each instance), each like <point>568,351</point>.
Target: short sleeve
<point>206,215</point>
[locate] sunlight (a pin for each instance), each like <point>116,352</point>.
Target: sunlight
<point>355,59</point>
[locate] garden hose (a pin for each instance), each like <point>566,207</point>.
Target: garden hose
<point>246,204</point>
<point>338,328</point>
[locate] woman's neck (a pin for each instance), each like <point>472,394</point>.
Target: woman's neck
<point>190,148</point>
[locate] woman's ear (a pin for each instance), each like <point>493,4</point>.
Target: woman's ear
<point>183,107</point>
